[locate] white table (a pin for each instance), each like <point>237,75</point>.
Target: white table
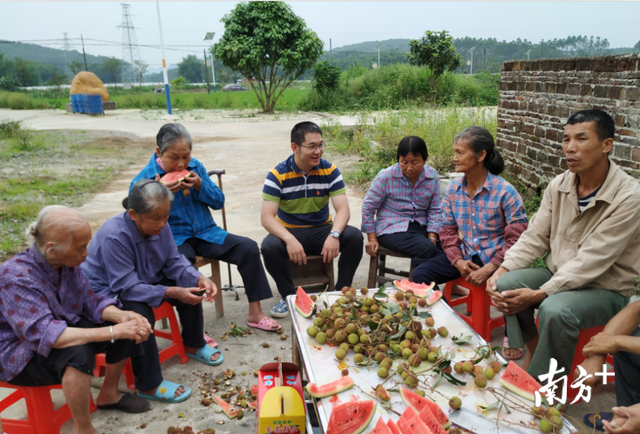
<point>321,367</point>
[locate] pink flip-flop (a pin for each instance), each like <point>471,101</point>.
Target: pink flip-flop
<point>210,341</point>
<point>519,351</point>
<point>265,324</point>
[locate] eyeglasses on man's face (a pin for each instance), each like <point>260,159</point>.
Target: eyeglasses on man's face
<point>314,148</point>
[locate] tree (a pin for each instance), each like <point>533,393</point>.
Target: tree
<point>140,66</point>
<point>191,68</point>
<point>57,79</point>
<point>24,71</point>
<point>112,65</point>
<point>435,51</point>
<point>268,44</point>
<point>325,76</point>
<point>75,67</point>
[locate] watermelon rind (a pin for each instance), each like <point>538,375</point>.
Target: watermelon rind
<point>519,381</point>
<point>351,426</point>
<point>437,295</point>
<point>304,305</point>
<point>228,409</point>
<point>329,389</point>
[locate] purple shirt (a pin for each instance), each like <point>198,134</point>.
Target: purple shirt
<point>397,202</point>
<point>122,264</point>
<point>36,304</point>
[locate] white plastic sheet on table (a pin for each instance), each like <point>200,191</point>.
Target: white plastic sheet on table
<point>321,367</point>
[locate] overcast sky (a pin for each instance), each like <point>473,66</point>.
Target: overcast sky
<point>185,24</point>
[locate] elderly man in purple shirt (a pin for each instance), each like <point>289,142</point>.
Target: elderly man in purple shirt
<point>52,323</point>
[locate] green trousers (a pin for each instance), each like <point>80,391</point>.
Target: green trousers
<point>560,318</point>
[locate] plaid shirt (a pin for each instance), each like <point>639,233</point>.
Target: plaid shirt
<point>190,215</point>
<point>486,225</point>
<point>397,202</point>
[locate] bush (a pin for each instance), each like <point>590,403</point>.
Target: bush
<point>20,101</point>
<point>325,77</point>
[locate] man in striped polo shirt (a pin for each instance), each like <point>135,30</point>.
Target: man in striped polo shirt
<point>295,212</point>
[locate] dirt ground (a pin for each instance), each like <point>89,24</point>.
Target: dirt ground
<point>246,147</point>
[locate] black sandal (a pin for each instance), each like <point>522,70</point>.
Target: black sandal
<point>129,404</point>
<point>595,419</point>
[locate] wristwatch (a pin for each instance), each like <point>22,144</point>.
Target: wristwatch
<point>335,234</point>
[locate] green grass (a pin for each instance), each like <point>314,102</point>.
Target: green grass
<point>24,195</point>
<point>182,99</point>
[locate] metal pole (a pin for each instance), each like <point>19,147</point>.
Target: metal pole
<point>84,54</point>
<point>164,63</point>
<point>206,70</point>
<point>330,53</point>
<point>213,72</point>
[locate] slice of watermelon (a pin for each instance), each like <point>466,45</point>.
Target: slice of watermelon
<point>329,389</point>
<point>228,409</point>
<point>253,404</point>
<point>174,176</point>
<point>412,400</point>
<point>519,381</point>
<point>304,305</point>
<point>420,290</point>
<point>428,418</point>
<point>413,425</point>
<point>393,427</point>
<point>409,413</point>
<point>381,428</point>
<point>439,415</point>
<point>352,417</point>
<point>437,295</point>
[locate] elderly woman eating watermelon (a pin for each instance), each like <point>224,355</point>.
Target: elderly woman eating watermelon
<point>194,230</point>
<point>134,259</point>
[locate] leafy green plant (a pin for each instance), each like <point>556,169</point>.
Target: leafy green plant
<point>436,51</point>
<point>178,82</point>
<point>325,77</point>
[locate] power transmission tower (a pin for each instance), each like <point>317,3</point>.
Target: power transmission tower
<point>130,49</point>
<point>66,46</point>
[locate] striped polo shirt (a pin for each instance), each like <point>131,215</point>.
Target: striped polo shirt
<point>303,199</point>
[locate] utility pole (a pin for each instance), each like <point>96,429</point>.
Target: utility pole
<point>164,63</point>
<point>66,47</point>
<point>378,48</point>
<point>207,71</point>
<point>209,37</point>
<point>330,53</point>
<point>471,51</point>
<point>542,49</point>
<point>527,53</point>
<point>84,54</point>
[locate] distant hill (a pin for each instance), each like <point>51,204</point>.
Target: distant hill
<point>401,45</point>
<point>47,55</point>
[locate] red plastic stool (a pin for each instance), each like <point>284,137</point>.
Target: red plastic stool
<point>583,339</point>
<point>41,417</point>
<point>175,348</point>
<point>478,304</point>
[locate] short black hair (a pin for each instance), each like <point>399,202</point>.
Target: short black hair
<point>412,145</point>
<point>301,129</point>
<point>605,127</point>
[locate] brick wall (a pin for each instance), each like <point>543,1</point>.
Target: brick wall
<point>537,97</point>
